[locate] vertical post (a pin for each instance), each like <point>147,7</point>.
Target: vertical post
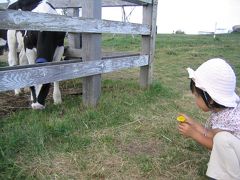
<point>74,39</point>
<point>91,51</point>
<point>148,43</point>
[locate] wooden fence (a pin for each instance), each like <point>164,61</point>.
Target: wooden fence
<point>91,26</point>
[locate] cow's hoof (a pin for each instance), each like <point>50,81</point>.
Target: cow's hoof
<point>56,102</point>
<point>17,92</point>
<point>37,106</point>
<point>27,90</point>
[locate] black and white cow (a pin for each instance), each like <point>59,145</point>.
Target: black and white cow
<point>36,47</point>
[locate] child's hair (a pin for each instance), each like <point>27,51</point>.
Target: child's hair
<point>205,96</point>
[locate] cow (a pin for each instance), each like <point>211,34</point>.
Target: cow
<point>36,47</point>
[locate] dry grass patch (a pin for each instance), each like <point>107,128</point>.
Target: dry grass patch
<point>53,166</point>
<point>151,147</point>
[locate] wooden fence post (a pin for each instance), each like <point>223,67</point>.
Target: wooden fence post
<point>148,43</point>
<point>91,51</point>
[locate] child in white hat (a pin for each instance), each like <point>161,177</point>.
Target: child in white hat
<point>213,86</point>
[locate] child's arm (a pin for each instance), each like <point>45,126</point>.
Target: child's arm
<point>197,132</point>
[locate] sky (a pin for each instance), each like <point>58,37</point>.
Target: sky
<point>190,16</point>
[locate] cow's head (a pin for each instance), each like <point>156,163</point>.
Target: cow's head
<point>25,5</point>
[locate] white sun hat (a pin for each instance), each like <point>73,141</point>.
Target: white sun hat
<point>218,79</point>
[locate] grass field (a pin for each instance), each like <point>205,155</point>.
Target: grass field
<point>132,134</point>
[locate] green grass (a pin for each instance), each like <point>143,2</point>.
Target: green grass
<point>132,134</point>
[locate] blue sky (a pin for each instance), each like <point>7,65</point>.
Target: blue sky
<point>190,16</point>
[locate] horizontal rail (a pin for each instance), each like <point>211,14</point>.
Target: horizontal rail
<point>140,2</point>
<point>79,3</point>
<point>3,5</point>
<point>105,3</point>
<point>78,53</point>
<point>22,20</point>
<point>24,76</point>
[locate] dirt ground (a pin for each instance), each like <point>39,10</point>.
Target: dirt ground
<point>10,103</point>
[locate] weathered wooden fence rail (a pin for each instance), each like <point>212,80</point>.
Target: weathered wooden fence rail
<point>94,61</point>
<point>49,22</point>
<point>3,5</point>
<point>12,77</point>
<point>105,3</point>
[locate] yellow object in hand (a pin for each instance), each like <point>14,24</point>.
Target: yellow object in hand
<point>181,118</point>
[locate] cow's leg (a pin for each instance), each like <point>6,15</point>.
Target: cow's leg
<point>12,54</point>
<point>23,61</point>
<point>22,55</point>
<point>23,58</point>
<point>41,98</point>
<point>45,87</point>
<point>43,93</point>
<point>57,98</point>
<point>31,56</point>
<point>49,48</point>
<point>3,43</point>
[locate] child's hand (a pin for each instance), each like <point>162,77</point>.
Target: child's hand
<point>187,119</point>
<point>187,128</point>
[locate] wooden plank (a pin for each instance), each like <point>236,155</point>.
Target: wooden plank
<point>23,76</point>
<point>140,2</point>
<point>78,53</point>
<point>22,20</point>
<point>79,3</point>
<point>107,55</point>
<point>3,5</point>
<point>148,43</point>
<point>91,51</point>
<point>153,31</point>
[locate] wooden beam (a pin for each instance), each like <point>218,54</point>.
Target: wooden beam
<point>91,51</point>
<point>79,3</point>
<point>24,76</point>
<point>107,55</point>
<point>140,2</point>
<point>78,53</point>
<point>148,43</point>
<point>22,20</point>
<point>3,5</point>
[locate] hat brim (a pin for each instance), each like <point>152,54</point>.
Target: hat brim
<point>227,101</point>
